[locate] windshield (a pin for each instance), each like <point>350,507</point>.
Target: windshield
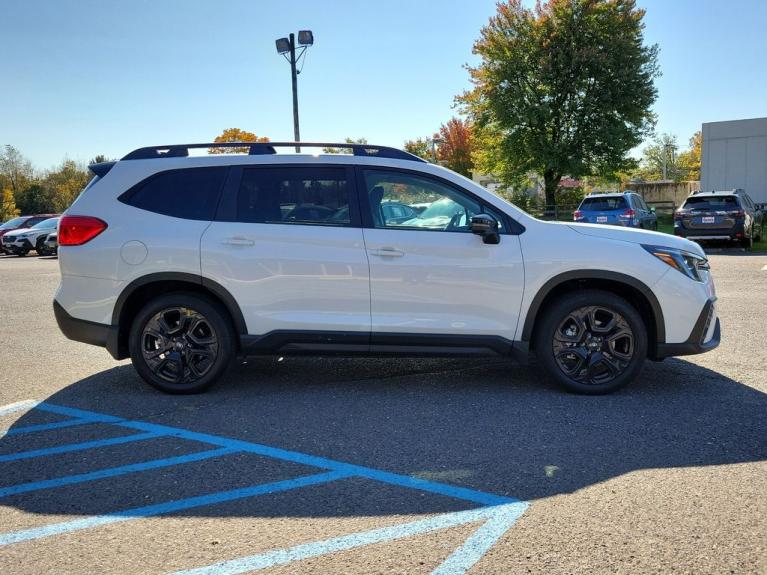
<point>614,203</point>
<point>712,203</point>
<point>14,223</point>
<point>49,223</point>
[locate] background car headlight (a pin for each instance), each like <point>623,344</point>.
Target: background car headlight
<point>687,263</point>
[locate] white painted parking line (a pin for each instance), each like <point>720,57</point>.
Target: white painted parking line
<point>18,406</point>
<point>764,268</point>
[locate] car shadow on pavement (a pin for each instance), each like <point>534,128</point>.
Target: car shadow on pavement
<point>491,426</point>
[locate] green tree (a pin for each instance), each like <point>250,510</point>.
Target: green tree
<point>36,199</point>
<point>7,205</point>
<point>64,184</point>
<point>100,159</point>
<point>658,156</point>
<point>564,88</point>
<point>235,135</point>
<point>16,170</point>
<point>455,149</point>
<point>345,150</point>
<point>420,147</point>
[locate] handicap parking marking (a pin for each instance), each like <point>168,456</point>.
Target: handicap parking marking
<point>496,512</point>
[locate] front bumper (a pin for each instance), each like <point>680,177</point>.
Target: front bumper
<point>86,331</point>
<point>705,335</point>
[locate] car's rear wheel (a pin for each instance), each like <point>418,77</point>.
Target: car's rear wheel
<point>748,242</point>
<point>591,342</point>
<point>181,343</point>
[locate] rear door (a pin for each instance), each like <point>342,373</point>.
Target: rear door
<point>287,244</point>
<point>604,210</point>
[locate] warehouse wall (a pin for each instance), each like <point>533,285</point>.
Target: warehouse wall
<point>735,156</point>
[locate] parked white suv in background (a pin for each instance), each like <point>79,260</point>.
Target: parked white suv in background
<point>184,262</point>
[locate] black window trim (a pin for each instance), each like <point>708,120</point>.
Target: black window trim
<point>510,226</point>
<point>227,207</point>
<point>126,196</point>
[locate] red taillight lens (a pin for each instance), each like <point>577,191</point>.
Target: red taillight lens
<point>77,230</point>
<point>577,215</point>
<point>678,215</point>
<point>630,213</point>
<point>736,213</point>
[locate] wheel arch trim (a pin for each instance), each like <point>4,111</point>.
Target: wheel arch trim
<point>214,287</point>
<point>559,279</point>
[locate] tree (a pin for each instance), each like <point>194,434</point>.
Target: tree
<point>64,184</point>
<point>420,147</point>
<point>344,150</point>
<point>455,149</point>
<point>659,160</point>
<point>7,205</point>
<point>235,135</point>
<point>36,199</point>
<point>689,160</point>
<point>100,159</point>
<point>564,88</point>
<point>16,170</point>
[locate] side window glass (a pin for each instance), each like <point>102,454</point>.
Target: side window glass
<point>190,194</point>
<point>294,195</point>
<point>399,200</point>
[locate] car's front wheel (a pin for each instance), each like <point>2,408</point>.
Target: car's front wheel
<point>591,342</point>
<point>181,343</point>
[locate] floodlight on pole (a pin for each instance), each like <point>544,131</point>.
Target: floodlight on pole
<point>287,48</point>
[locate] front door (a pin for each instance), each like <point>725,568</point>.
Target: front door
<point>292,252</point>
<point>429,274</point>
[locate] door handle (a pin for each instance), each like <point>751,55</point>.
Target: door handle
<point>239,241</point>
<point>388,252</point>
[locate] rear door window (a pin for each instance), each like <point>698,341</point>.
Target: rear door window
<point>191,194</point>
<point>604,204</point>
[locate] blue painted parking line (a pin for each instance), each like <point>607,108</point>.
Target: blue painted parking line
<point>114,471</point>
<point>498,513</point>
<point>48,426</point>
<point>79,446</point>
<point>167,507</point>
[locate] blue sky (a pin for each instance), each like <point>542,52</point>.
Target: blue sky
<point>84,77</point>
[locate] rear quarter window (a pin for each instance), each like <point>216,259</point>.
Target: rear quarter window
<point>191,193</point>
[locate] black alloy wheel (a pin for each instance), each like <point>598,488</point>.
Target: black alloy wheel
<point>181,343</point>
<point>591,341</point>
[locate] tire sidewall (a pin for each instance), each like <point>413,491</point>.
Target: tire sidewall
<point>558,311</point>
<point>212,312</point>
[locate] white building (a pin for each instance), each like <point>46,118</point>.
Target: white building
<point>734,155</point>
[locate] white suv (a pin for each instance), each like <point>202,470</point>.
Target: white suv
<point>184,262</point>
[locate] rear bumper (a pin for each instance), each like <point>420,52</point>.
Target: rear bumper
<point>704,336</point>
<point>730,233</point>
<point>87,331</point>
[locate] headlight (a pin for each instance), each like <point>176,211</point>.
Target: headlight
<point>688,263</point>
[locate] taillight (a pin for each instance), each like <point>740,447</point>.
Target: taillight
<point>736,213</point>
<point>577,215</point>
<point>630,213</point>
<point>77,230</point>
<point>678,216</point>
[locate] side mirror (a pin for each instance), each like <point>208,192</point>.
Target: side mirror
<point>652,210</point>
<point>486,226</point>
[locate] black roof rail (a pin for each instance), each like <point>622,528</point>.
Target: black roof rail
<point>262,148</point>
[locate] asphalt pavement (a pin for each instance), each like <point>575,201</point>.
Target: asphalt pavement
<point>303,465</point>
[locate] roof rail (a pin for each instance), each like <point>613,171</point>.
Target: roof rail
<point>263,148</point>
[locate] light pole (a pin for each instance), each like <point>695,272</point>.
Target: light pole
<point>287,47</point>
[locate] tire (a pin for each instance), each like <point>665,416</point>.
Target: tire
<point>615,363</point>
<point>748,242</point>
<point>201,349</point>
<point>21,253</point>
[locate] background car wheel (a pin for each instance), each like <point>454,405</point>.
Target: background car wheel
<point>21,253</point>
<point>591,342</point>
<point>181,343</point>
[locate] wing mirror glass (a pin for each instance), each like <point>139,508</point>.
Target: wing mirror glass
<point>486,226</point>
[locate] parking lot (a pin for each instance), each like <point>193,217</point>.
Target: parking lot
<point>301,465</point>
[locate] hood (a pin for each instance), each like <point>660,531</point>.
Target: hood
<point>17,232</point>
<point>636,236</point>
